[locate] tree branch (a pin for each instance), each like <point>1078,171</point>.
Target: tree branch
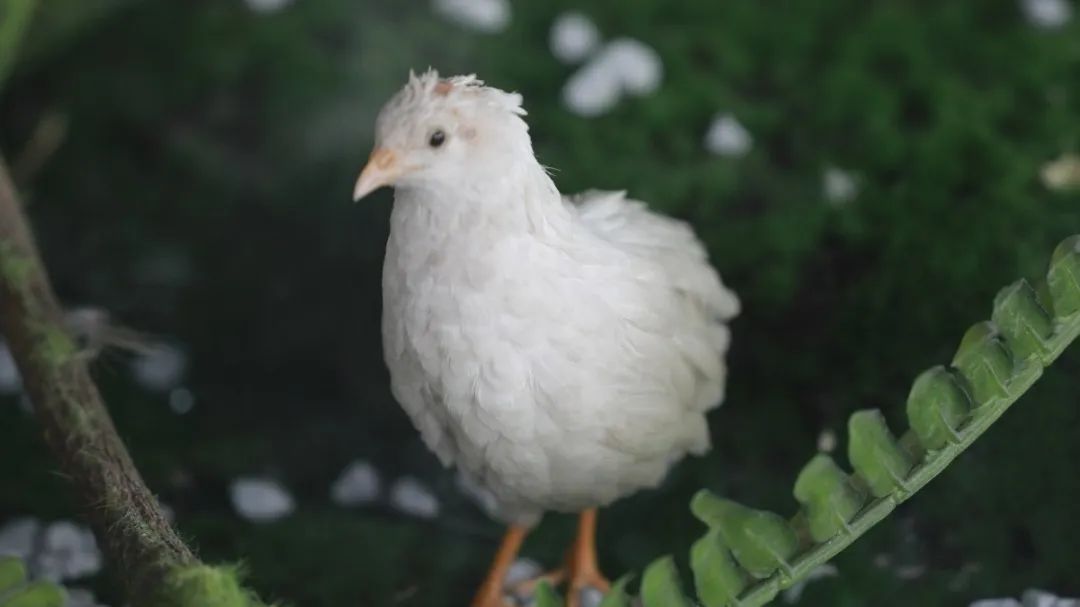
<point>135,536</point>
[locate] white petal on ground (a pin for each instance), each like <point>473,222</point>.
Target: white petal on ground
<point>1063,173</point>
<point>728,137</point>
<point>181,400</point>
<point>838,186</point>
<point>624,66</point>
<point>826,441</point>
<point>17,537</point>
<point>160,368</point>
<point>1047,14</point>
<point>487,16</point>
<point>637,65</point>
<point>10,382</point>
<point>1040,598</point>
<point>260,500</point>
<point>792,594</point>
<point>410,496</point>
<point>592,90</point>
<point>521,570</point>
<point>68,552</point>
<point>573,37</point>
<point>358,484</point>
<point>591,597</point>
<point>996,603</point>
<point>267,6</point>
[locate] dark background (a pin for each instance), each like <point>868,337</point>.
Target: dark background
<point>199,191</point>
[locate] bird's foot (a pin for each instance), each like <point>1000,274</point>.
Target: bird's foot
<point>527,588</point>
<point>582,578</point>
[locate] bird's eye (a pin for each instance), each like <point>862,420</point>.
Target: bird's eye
<point>437,138</point>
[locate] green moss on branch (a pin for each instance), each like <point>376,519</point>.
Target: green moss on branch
<point>157,567</point>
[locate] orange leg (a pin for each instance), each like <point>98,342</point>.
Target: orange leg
<point>491,591</point>
<point>582,570</point>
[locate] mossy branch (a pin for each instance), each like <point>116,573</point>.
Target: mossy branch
<point>748,556</point>
<point>156,567</point>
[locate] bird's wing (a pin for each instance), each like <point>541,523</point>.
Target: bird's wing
<point>669,242</point>
<point>684,306</point>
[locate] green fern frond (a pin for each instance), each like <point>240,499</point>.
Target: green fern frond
<point>947,408</point>
<point>749,556</point>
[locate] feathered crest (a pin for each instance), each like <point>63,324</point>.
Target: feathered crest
<point>468,88</point>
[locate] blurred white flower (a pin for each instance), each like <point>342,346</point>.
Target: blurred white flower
<point>624,66</point>
<point>17,537</point>
<point>1031,598</point>
<point>68,552</point>
<point>358,484</point>
<point>487,16</point>
<point>1039,598</point>
<point>592,90</point>
<point>410,496</point>
<point>826,441</point>
<point>1063,173</point>
<point>522,570</point>
<point>267,6</point>
<point>591,597</point>
<point>1048,14</point>
<point>181,400</point>
<point>637,64</point>
<point>160,368</point>
<point>792,594</point>
<point>260,500</point>
<point>728,137</point>
<point>838,186</point>
<point>10,382</point>
<point>573,37</point>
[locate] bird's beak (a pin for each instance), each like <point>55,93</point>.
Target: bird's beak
<point>382,169</point>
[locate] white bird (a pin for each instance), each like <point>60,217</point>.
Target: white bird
<point>560,351</point>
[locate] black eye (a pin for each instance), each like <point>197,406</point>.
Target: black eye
<point>437,138</point>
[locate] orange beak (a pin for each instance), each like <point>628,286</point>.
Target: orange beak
<point>382,169</point>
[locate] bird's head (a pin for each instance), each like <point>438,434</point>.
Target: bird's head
<point>443,131</point>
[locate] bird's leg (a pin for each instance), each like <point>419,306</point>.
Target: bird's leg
<point>491,591</point>
<point>582,570</point>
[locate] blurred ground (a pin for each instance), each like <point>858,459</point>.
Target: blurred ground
<point>188,166</point>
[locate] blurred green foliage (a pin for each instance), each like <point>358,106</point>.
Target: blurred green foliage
<point>16,591</point>
<point>200,192</point>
